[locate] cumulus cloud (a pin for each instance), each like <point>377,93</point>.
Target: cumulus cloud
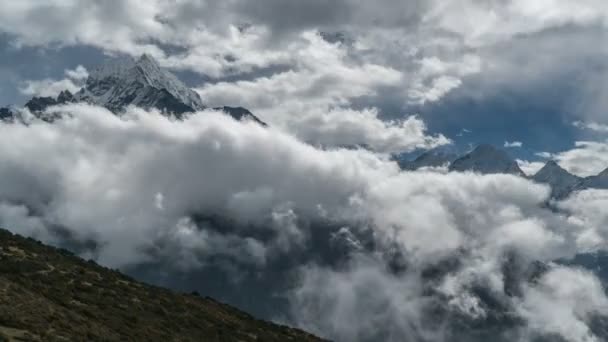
<point>593,126</point>
<point>513,144</point>
<point>427,42</point>
<point>587,158</point>
<point>47,87</point>
<point>587,210</point>
<point>335,232</point>
<point>563,302</point>
<point>340,234</point>
<point>311,101</point>
<point>528,167</point>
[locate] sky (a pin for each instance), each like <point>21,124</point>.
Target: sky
<point>314,229</point>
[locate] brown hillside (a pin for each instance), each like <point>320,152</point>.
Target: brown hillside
<point>48,294</point>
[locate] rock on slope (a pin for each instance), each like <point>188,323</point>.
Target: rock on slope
<point>47,294</point>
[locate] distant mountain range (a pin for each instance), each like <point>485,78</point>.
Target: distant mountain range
<point>487,159</point>
<point>129,82</point>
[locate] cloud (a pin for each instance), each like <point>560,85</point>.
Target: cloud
<point>513,144</point>
<point>342,127</point>
<point>593,126</point>
<point>528,167</point>
<point>334,232</point>
<point>311,101</point>
<point>426,42</point>
<point>563,302</point>
<point>587,158</point>
<point>47,87</point>
<point>586,210</point>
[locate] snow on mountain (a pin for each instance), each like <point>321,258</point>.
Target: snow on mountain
<point>141,83</point>
<point>129,82</point>
<point>487,159</point>
<point>561,181</point>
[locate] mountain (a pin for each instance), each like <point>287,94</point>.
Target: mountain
<point>561,181</point>
<point>487,159</point>
<point>129,82</point>
<point>48,294</point>
<point>432,158</point>
<point>142,83</point>
<point>599,181</point>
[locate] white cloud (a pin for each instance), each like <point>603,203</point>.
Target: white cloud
<point>311,100</point>
<point>513,144</point>
<point>100,177</point>
<point>528,167</point>
<point>47,87</point>
<point>593,126</point>
<point>588,158</point>
<point>427,42</point>
<point>563,302</point>
<point>587,211</point>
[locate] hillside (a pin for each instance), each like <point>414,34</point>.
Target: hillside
<point>48,294</point>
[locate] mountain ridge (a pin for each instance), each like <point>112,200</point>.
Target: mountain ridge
<point>48,294</point>
<point>125,82</point>
<point>561,181</point>
<point>487,159</point>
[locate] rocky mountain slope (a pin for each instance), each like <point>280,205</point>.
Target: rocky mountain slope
<point>47,294</point>
<point>561,181</point>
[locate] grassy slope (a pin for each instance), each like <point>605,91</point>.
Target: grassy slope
<point>47,294</point>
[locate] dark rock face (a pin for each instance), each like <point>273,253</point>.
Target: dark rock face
<point>7,115</point>
<point>561,181</point>
<point>240,113</point>
<point>39,104</point>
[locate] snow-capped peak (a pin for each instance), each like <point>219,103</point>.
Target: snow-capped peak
<point>142,83</point>
<point>115,68</point>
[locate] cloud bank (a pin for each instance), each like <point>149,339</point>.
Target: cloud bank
<point>331,232</point>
